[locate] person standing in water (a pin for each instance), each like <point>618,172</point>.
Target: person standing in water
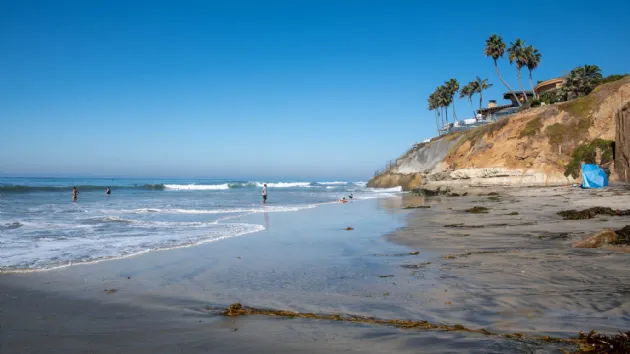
<point>264,193</point>
<point>108,191</point>
<point>75,194</point>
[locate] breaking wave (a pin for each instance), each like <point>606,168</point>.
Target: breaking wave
<point>30,189</point>
<point>197,187</point>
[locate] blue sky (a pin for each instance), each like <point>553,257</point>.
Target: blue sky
<point>274,89</point>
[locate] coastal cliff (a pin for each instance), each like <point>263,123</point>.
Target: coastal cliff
<point>529,148</point>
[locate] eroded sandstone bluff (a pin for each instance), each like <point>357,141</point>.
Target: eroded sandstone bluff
<point>530,148</point>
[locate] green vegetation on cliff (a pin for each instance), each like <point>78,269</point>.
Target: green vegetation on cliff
<point>587,154</point>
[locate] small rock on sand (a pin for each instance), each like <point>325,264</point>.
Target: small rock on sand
<point>597,239</point>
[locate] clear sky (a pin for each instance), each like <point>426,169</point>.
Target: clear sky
<point>276,89</point>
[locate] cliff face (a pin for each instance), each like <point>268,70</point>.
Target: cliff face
<point>531,148</point>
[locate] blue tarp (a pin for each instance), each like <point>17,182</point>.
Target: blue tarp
<point>593,177</point>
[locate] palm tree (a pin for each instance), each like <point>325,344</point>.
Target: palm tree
<point>495,49</point>
<point>517,55</point>
<point>581,81</point>
<point>443,102</point>
<point>468,91</point>
<point>532,57</point>
<point>480,87</point>
<point>452,87</point>
<point>433,106</point>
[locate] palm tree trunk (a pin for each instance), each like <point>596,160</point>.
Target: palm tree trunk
<point>480,100</point>
<point>531,83</point>
<point>454,115</point>
<point>520,83</point>
<point>446,110</point>
<point>471,106</point>
<point>496,67</point>
<point>437,122</point>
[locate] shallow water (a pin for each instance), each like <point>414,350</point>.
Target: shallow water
<point>40,226</point>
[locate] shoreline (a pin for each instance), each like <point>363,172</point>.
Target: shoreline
<point>308,262</point>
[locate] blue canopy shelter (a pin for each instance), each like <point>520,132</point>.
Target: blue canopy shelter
<point>593,176</point>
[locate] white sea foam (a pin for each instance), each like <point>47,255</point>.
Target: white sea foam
<point>360,184</point>
<point>284,184</point>
<point>197,187</point>
<point>51,253</point>
<point>386,190</point>
<point>264,209</point>
<point>336,183</point>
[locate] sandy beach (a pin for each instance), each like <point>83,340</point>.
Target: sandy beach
<point>506,272</point>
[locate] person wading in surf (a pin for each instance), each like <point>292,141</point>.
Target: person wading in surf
<point>75,194</point>
<point>264,193</point>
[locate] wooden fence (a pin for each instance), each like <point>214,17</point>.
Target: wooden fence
<point>622,143</point>
<point>388,166</point>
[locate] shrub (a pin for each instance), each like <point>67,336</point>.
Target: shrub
<point>611,78</point>
<point>586,154</point>
<point>531,128</point>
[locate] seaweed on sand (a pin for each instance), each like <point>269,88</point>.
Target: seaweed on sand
<point>415,266</point>
<point>591,213</point>
<point>594,342</point>
<point>623,236</point>
<point>417,207</point>
<point>468,226</point>
<point>591,343</point>
<point>477,210</point>
<point>399,254</point>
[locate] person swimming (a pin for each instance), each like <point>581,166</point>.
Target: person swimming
<point>350,196</point>
<point>343,200</point>
<point>108,191</point>
<point>75,194</point>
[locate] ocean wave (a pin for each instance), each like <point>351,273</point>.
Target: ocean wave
<point>42,254</point>
<point>284,184</point>
<point>386,190</point>
<point>10,226</point>
<point>80,188</point>
<point>108,219</point>
<point>265,209</point>
<point>177,187</point>
<point>197,187</point>
<point>336,183</point>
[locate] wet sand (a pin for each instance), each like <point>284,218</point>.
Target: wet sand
<point>519,272</point>
<point>307,262</point>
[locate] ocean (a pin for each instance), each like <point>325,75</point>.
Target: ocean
<point>41,228</point>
